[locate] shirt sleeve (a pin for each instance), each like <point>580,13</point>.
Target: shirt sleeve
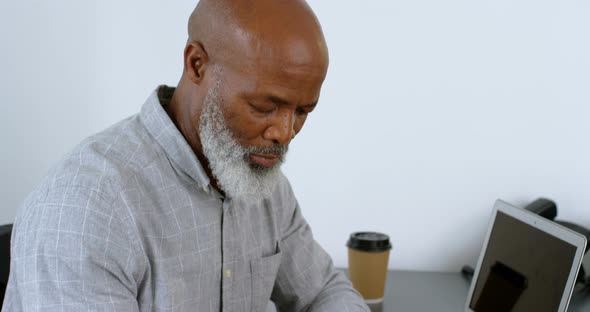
<point>72,251</point>
<point>307,279</point>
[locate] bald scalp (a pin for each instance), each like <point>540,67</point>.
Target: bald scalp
<point>205,25</point>
<point>233,32</point>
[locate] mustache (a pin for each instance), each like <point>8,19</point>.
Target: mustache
<point>277,149</point>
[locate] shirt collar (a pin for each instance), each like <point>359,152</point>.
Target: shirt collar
<point>160,126</point>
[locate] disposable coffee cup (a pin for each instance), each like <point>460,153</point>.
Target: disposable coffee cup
<point>368,256</point>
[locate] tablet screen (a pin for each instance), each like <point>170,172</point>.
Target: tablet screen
<point>524,269</point>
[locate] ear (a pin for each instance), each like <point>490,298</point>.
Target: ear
<point>195,61</point>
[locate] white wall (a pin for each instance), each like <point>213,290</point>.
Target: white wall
<point>431,109</point>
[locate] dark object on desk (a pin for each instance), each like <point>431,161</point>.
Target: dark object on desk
<point>501,290</point>
<point>5,232</point>
<point>544,207</point>
<point>548,209</point>
<point>467,272</point>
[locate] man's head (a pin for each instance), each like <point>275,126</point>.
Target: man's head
<point>252,73</point>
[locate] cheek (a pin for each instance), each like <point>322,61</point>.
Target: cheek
<point>244,126</point>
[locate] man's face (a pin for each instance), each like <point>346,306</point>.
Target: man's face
<point>249,118</point>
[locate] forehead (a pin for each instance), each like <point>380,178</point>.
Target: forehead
<point>287,65</point>
<point>291,84</point>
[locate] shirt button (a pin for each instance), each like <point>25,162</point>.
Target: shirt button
<point>228,273</point>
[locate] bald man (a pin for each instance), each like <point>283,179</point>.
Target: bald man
<point>183,207</point>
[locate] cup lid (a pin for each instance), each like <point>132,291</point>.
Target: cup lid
<point>369,241</point>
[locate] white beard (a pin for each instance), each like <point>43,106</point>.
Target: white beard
<point>227,158</point>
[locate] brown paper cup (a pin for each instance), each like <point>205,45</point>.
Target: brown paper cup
<point>368,256</point>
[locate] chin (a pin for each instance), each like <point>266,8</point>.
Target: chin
<point>261,169</point>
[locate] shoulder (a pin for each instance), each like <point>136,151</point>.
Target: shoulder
<point>85,184</point>
<point>106,161</point>
<point>75,204</point>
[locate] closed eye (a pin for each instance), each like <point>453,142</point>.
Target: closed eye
<point>302,112</point>
<point>263,108</point>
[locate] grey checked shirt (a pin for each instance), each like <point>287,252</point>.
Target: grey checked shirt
<point>129,222</point>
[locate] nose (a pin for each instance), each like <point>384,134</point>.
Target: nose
<point>281,129</point>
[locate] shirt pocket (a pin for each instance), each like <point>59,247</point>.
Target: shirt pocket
<point>264,273</point>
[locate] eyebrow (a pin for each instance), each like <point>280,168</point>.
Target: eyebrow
<point>280,101</point>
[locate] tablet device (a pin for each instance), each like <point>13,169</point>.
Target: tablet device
<point>527,263</point>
